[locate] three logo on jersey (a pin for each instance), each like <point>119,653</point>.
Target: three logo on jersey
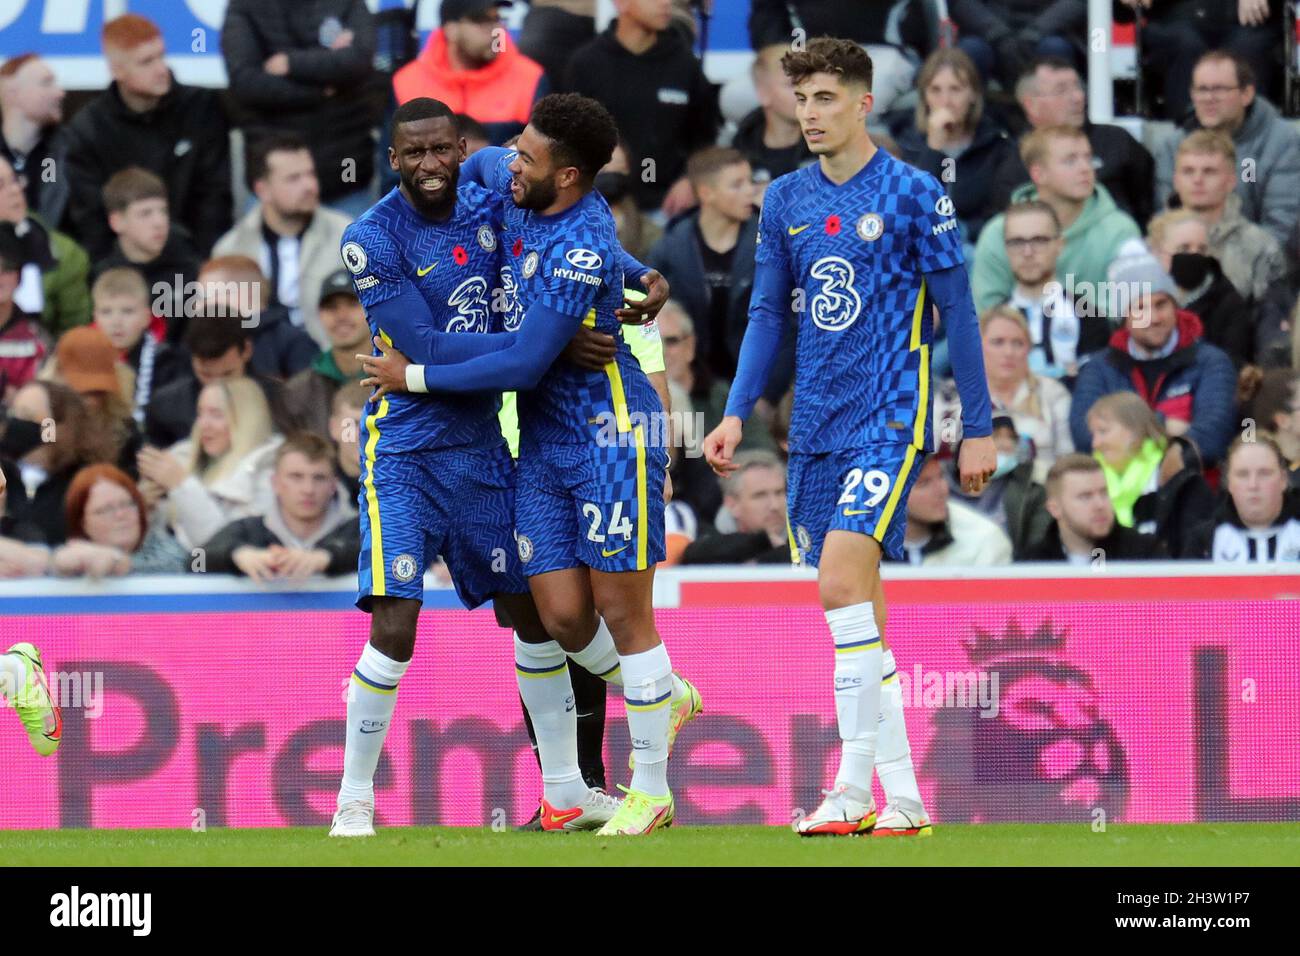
<point>837,304</point>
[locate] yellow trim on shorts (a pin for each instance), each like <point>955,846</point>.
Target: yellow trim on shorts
<point>378,584</point>
<point>641,506</point>
<point>923,368</point>
<point>794,545</point>
<point>883,524</point>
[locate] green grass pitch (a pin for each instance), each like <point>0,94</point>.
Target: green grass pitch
<point>1225,844</point>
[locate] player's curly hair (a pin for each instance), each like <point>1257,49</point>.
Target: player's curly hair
<point>843,58</point>
<point>581,131</point>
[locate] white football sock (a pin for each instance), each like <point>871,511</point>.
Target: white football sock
<point>600,657</point>
<point>372,695</point>
<point>13,676</point>
<point>648,693</point>
<point>857,693</point>
<point>893,753</point>
<point>542,672</point>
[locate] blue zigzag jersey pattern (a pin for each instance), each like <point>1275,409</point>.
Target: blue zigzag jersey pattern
<point>455,267</point>
<point>857,254</point>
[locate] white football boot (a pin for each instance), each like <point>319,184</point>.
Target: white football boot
<point>355,818</point>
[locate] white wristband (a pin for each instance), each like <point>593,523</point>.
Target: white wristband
<point>415,379</point>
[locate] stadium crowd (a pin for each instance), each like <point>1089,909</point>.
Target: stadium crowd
<point>179,376</point>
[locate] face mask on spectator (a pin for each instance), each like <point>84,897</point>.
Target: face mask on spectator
<point>20,437</point>
<point>613,186</point>
<point>1007,463</point>
<point>1189,269</point>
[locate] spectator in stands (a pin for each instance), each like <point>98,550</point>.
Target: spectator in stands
<point>308,69</point>
<point>1178,33</point>
<point>220,472</point>
<point>109,531</point>
<point>708,255</point>
<point>953,139</point>
<point>1039,406</point>
<point>1271,400</point>
<point>148,241</point>
<point>1059,160</point>
<point>769,136</point>
<point>947,533</point>
<point>1004,36</point>
<point>218,349</point>
<point>145,118</point>
<point>307,394</point>
<point>754,497</point>
<point>1084,531</point>
<point>650,80</point>
<point>288,233</point>
<point>637,232</point>
<point>121,302</point>
<point>1160,354</point>
<point>22,340</point>
<point>1180,241</point>
<point>1051,93</point>
<point>54,268</point>
<point>1223,93</point>
<point>695,403</point>
<point>1182,498</point>
<point>1059,339</point>
<point>1258,520</point>
<point>473,132</point>
<point>309,528</point>
<point>87,362</point>
<point>46,469</point>
<point>1129,443</point>
<point>702,391</point>
<point>31,109</point>
<point>23,552</point>
<point>344,429</point>
<point>471,64</point>
<point>1205,172</point>
<point>866,22</point>
<point>234,288</point>
<point>1011,499</point>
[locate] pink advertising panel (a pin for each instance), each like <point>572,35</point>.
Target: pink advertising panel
<point>1020,708</point>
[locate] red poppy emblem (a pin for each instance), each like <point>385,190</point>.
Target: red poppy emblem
<point>518,248</point>
<point>832,225</point>
<point>460,255</point>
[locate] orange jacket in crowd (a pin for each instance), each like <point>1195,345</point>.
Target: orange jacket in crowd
<point>500,95</point>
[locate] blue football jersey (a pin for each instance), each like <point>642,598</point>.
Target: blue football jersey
<point>857,254</point>
<point>569,262</point>
<point>454,266</point>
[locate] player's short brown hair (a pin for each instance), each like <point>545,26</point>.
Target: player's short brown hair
<point>708,162</point>
<point>129,185</point>
<point>1035,145</point>
<point>1075,463</point>
<point>1204,141</point>
<point>842,58</point>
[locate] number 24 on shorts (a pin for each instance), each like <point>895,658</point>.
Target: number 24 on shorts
<point>619,523</point>
<point>874,483</point>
